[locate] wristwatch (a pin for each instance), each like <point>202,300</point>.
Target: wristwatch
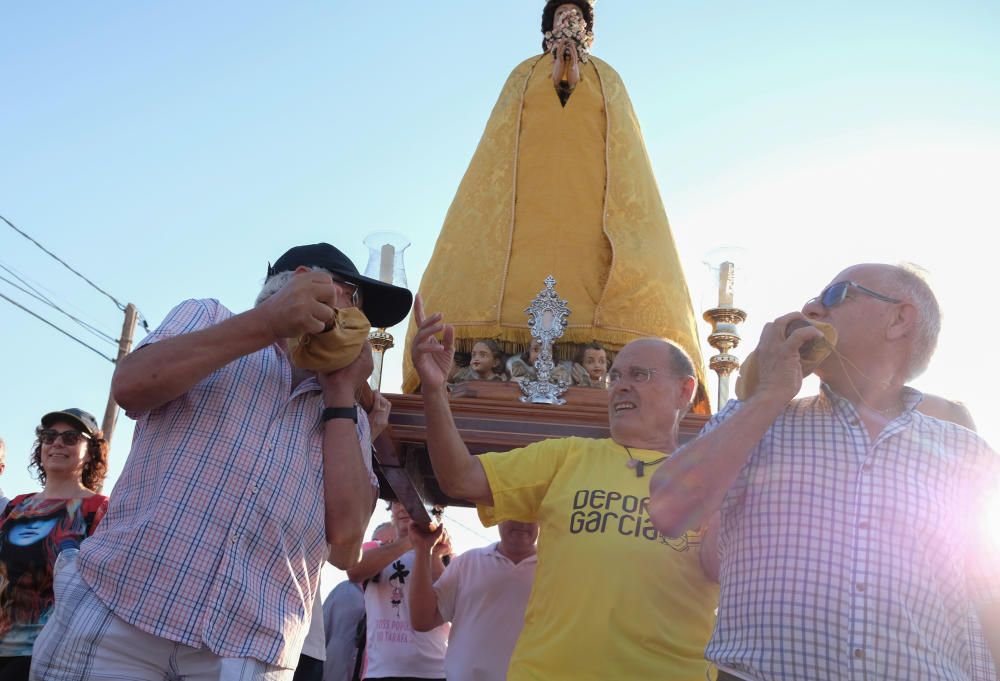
<point>340,413</point>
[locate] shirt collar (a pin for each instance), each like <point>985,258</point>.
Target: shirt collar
<point>495,551</point>
<point>910,398</point>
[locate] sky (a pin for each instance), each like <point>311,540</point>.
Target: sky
<point>170,150</point>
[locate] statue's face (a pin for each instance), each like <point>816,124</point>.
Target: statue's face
<point>482,361</point>
<point>596,363</point>
<point>564,13</point>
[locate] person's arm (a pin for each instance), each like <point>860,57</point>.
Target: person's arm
<point>690,486</point>
<point>162,371</point>
<point>709,550</point>
<point>375,559</point>
<point>424,613</point>
<point>349,496</point>
<point>460,474</point>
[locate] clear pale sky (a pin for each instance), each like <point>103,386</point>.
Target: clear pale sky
<point>169,150</point>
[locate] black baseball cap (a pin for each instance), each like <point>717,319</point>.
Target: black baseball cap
<point>83,420</point>
<point>383,304</point>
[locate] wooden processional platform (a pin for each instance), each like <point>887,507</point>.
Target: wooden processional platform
<point>490,418</point>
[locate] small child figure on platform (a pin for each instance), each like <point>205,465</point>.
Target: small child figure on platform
<point>485,363</point>
<point>522,367</point>
<point>591,366</point>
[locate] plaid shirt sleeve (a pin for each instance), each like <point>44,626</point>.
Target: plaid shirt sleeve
<point>187,317</point>
<point>734,497</point>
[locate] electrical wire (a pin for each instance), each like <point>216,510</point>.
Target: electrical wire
<point>23,280</point>
<point>142,319</point>
<point>62,262</point>
<point>94,330</point>
<point>60,330</point>
<point>453,519</point>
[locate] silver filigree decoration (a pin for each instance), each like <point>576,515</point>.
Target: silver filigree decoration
<point>546,319</point>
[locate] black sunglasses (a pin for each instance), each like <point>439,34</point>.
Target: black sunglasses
<point>69,437</point>
<point>834,294</point>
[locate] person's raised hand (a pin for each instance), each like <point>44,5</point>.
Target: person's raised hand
<point>339,386</point>
<point>378,417</point>
<point>303,305</point>
<point>443,547</point>
<point>425,539</point>
<point>431,357</point>
<point>779,363</point>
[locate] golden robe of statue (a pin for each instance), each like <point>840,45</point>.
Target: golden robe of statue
<point>568,192</point>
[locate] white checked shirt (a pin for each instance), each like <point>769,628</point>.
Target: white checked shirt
<point>844,558</point>
<point>215,531</point>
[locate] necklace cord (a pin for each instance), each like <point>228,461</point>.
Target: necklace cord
<point>844,361</point>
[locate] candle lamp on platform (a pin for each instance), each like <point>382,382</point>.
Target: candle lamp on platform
<point>724,317</point>
<point>385,263</point>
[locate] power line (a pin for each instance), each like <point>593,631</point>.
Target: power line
<point>94,330</point>
<point>455,520</point>
<point>142,319</point>
<point>63,262</point>
<point>23,280</point>
<point>60,330</point>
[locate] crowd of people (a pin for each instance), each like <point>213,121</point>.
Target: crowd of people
<point>836,536</point>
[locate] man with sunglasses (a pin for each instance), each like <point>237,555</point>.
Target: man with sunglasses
<point>852,542</point>
<point>245,474</point>
<point>601,563</point>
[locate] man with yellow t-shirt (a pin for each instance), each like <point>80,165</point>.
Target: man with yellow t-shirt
<point>613,599</point>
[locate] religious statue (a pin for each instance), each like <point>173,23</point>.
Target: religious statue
<point>561,185</point>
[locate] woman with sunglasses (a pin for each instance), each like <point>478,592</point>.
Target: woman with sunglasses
<point>71,459</point>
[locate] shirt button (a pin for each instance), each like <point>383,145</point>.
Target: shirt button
<point>233,537</point>
<point>867,468</point>
<point>253,489</point>
<point>860,587</point>
<point>864,525</point>
<point>858,653</point>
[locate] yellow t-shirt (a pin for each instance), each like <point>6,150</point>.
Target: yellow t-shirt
<point>612,599</point>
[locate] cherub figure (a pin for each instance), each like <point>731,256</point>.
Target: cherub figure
<point>485,363</point>
<point>522,367</point>
<point>591,366</point>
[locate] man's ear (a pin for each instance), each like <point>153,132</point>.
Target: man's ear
<point>903,322</point>
<point>687,391</point>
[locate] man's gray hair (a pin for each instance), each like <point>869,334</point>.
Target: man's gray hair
<point>910,283</point>
<point>274,283</point>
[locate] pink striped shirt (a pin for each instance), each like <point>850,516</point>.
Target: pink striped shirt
<point>215,532</point>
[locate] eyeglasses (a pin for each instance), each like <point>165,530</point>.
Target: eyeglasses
<point>835,294</point>
<point>356,296</point>
<point>635,375</point>
<point>69,437</point>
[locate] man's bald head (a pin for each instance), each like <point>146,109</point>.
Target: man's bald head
<point>674,355</point>
<point>907,282</point>
<point>650,384</point>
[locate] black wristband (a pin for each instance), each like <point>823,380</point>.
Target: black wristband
<point>340,413</point>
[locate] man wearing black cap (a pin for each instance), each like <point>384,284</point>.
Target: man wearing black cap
<point>245,473</point>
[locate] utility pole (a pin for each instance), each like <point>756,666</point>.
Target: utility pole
<point>124,346</point>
